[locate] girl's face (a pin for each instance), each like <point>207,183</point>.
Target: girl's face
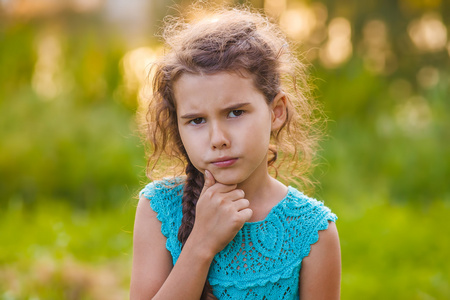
<point>225,125</point>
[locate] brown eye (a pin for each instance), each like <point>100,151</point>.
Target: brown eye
<point>197,121</point>
<point>235,113</point>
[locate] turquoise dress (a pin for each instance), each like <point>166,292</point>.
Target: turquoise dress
<point>264,259</point>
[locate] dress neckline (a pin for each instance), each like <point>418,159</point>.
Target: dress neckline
<point>272,210</point>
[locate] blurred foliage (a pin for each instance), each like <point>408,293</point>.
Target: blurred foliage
<point>56,252</point>
<point>71,161</point>
<point>376,143</point>
<point>66,134</point>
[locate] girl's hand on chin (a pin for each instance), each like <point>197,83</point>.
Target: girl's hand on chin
<point>221,212</point>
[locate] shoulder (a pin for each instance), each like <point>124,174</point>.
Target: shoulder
<point>165,198</point>
<point>320,275</point>
<point>167,187</point>
<point>163,193</point>
<point>310,209</point>
<point>321,262</point>
<point>149,247</point>
<point>315,221</point>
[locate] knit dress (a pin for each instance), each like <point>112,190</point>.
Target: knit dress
<point>264,259</point>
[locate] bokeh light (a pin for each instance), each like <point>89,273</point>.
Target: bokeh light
<point>47,80</point>
<point>414,116</point>
<point>428,77</point>
<point>137,74</point>
<point>275,8</point>
<point>376,49</point>
<point>338,49</point>
<point>298,22</point>
<point>428,33</point>
<point>75,80</point>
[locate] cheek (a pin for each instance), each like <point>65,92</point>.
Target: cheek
<point>184,139</point>
<point>264,128</point>
<point>190,143</point>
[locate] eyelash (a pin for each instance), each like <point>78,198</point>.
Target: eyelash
<point>193,121</point>
<point>236,112</point>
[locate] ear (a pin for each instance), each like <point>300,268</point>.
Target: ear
<point>278,110</point>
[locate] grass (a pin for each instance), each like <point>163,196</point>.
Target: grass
<point>396,252</point>
<point>56,252</point>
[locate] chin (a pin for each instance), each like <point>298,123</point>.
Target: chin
<point>227,182</point>
<point>227,179</point>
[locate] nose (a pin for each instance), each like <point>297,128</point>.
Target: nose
<point>219,137</point>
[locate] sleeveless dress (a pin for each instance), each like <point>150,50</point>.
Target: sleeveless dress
<point>263,261</point>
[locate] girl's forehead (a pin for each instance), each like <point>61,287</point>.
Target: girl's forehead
<point>220,88</point>
<point>237,75</point>
<point>200,83</point>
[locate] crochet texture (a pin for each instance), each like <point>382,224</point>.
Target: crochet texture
<point>263,261</point>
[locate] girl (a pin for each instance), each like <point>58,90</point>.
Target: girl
<point>229,230</point>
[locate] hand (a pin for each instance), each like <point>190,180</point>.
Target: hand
<point>221,212</point>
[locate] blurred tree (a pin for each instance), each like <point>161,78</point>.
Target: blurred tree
<point>67,106</point>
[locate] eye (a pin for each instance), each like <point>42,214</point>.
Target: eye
<point>197,121</point>
<point>235,113</point>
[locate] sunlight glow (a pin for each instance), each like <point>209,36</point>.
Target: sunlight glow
<point>47,78</point>
<point>137,74</point>
<point>33,8</point>
<point>338,48</point>
<point>86,5</point>
<point>30,8</point>
<point>428,33</point>
<point>298,23</point>
<point>274,8</point>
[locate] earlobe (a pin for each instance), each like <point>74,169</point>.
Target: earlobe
<point>279,113</point>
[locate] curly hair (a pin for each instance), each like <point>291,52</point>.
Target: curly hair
<point>232,40</point>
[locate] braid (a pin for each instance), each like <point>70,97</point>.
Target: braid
<point>191,193</point>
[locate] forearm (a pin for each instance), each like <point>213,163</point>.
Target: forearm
<point>188,276</point>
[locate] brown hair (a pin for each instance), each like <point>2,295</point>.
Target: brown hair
<point>231,40</point>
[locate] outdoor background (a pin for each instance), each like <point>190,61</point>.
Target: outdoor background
<point>71,161</point>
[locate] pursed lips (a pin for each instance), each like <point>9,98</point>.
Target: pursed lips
<point>224,161</point>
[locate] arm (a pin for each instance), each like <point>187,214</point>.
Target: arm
<point>320,275</point>
<point>152,274</point>
<point>221,211</point>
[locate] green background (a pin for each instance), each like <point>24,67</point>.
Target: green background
<point>72,162</point>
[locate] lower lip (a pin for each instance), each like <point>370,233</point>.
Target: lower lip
<point>225,163</point>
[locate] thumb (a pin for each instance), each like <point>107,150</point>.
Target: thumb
<point>209,180</point>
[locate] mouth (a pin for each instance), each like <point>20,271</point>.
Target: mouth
<point>224,162</point>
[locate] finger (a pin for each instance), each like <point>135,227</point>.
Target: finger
<point>229,192</point>
<point>209,180</point>
<point>245,214</point>
<point>241,204</point>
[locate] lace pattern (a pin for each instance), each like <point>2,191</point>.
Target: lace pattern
<point>165,200</point>
<point>263,261</point>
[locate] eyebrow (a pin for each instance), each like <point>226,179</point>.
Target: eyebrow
<point>229,108</point>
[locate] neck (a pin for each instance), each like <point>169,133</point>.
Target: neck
<point>255,187</point>
<point>263,192</point>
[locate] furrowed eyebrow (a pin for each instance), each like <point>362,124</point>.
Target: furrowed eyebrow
<point>229,108</point>
<point>235,106</point>
<point>190,116</point>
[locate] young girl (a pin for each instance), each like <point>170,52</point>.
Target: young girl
<point>229,230</point>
